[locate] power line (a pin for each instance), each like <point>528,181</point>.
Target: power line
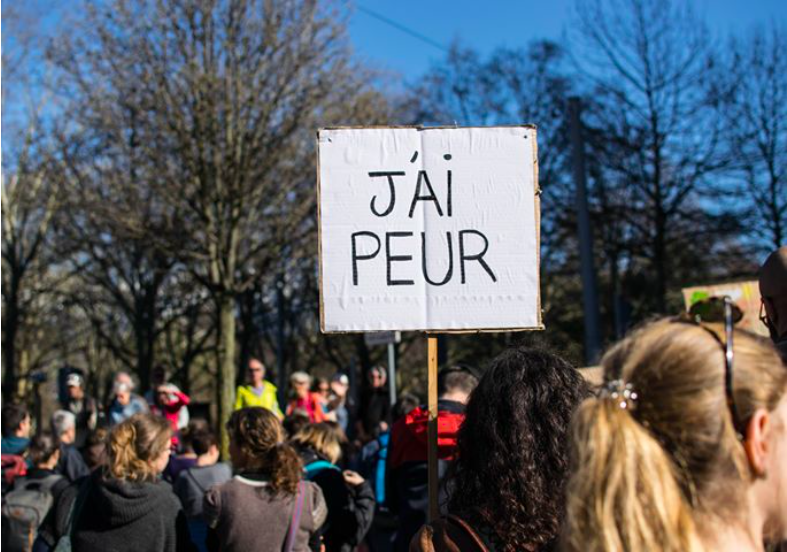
<point>400,27</point>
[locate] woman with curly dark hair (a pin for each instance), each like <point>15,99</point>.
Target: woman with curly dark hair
<point>267,506</point>
<point>506,486</point>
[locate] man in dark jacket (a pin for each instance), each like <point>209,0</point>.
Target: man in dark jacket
<point>71,464</point>
<point>407,487</point>
<point>773,289</point>
<point>83,407</point>
<point>375,411</point>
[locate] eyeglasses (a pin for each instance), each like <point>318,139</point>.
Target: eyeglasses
<point>764,314</point>
<point>712,310</point>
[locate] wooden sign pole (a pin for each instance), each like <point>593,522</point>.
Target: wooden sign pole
<point>434,509</point>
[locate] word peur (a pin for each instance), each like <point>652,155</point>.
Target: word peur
<point>468,239</point>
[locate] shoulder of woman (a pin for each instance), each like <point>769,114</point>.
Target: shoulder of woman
<point>312,488</point>
<point>318,505</point>
<point>211,505</point>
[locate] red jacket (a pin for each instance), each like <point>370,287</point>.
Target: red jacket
<point>170,410</point>
<point>407,491</point>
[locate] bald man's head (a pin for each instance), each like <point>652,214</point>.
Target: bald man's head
<point>773,289</point>
<point>773,274</point>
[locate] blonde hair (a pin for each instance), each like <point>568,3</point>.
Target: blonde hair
<point>646,476</point>
<point>134,444</point>
<point>324,439</point>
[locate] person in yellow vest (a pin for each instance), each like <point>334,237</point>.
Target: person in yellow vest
<point>258,392</point>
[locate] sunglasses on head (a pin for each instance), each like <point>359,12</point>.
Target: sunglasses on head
<point>718,310</point>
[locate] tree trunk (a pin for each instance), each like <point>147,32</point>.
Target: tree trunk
<point>226,372</point>
<point>10,330</point>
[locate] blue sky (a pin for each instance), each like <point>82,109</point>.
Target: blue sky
<point>486,24</point>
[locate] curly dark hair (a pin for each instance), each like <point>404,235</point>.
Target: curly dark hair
<point>513,452</point>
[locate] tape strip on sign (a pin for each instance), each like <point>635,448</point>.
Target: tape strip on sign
<point>433,229</point>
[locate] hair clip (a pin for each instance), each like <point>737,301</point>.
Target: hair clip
<point>623,394</point>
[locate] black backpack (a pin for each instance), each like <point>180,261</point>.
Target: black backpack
<point>23,511</point>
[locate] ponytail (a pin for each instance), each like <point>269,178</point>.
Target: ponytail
<point>134,444</point>
<point>258,434</point>
<point>623,493</point>
<point>285,468</point>
<point>655,457</point>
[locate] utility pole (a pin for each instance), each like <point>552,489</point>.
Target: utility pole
<point>589,289</point>
<point>392,373</point>
<point>280,365</point>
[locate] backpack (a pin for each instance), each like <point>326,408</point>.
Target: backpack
<point>316,467</point>
<point>13,466</point>
<point>23,511</point>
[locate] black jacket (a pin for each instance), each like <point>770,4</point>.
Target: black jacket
<point>71,465</point>
<point>122,516</point>
<point>350,509</point>
<point>407,489</point>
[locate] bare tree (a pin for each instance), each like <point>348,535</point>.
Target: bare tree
<point>226,94</point>
<point>110,236</point>
<point>29,204</point>
<point>646,63</point>
<point>752,89</point>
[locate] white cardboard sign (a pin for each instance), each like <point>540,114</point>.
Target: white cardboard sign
<point>428,229</point>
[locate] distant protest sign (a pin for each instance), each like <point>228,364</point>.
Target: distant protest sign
<point>428,229</point>
<point>745,294</point>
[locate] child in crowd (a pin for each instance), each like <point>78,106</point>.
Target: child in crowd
<point>186,457</point>
<point>193,482</point>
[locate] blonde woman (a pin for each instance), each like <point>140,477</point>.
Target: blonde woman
<point>126,506</point>
<point>349,497</point>
<point>686,447</point>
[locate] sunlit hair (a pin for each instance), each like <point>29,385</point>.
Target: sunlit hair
<point>652,476</point>
<point>322,438</point>
<point>258,434</point>
<point>135,444</point>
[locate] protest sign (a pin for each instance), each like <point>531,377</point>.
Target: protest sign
<point>744,294</point>
<point>428,229</point>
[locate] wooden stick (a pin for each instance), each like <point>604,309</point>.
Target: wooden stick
<point>434,509</point>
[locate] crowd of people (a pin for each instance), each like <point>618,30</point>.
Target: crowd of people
<point>683,448</point>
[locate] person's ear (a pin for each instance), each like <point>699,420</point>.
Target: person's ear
<point>756,443</point>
